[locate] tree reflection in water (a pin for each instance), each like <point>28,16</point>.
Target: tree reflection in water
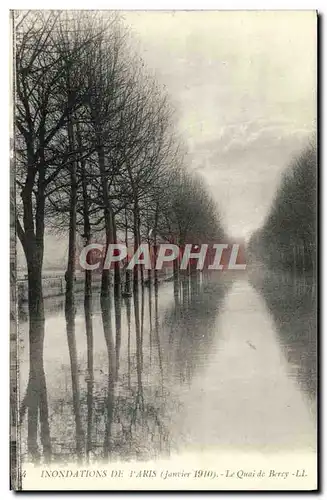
<point>35,405</point>
<point>124,397</point>
<point>71,340</point>
<point>88,313</point>
<point>191,322</point>
<point>291,300</point>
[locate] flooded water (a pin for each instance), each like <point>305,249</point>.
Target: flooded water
<point>223,361</point>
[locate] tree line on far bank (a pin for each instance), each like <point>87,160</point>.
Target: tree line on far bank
<point>288,238</point>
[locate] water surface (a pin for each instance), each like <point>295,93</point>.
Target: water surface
<point>226,361</point>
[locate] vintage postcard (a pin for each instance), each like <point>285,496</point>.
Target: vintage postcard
<point>163,250</point>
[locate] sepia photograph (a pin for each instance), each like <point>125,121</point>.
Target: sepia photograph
<point>163,250</point>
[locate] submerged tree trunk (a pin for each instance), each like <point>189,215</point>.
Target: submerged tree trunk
<point>176,277</point>
<point>156,329</point>
<point>139,242</point>
<point>105,281</point>
<point>118,329</point>
<point>136,243</point>
<point>32,239</point>
<point>155,245</point>
<point>36,341</point>
<point>90,371</point>
<point>128,273</point>
<point>108,334</point>
<point>128,316</point>
<point>44,416</point>
<point>140,401</point>
<point>150,324</point>
<point>117,275</point>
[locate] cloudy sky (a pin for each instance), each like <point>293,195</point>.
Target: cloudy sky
<point>244,86</point>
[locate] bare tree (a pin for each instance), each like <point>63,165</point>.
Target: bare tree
<point>48,97</point>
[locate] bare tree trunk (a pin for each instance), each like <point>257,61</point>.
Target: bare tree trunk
<point>139,241</point>
<point>36,340</point>
<point>32,240</point>
<point>142,325</point>
<point>136,242</point>
<point>150,324</point>
<point>117,275</point>
<point>155,249</point>
<point>105,283</point>
<point>127,271</point>
<point>176,276</point>
<point>149,277</point>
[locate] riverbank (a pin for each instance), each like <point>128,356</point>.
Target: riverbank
<point>55,286</point>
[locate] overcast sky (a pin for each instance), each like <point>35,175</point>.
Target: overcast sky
<point>244,87</point>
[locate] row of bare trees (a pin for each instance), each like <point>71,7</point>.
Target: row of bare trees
<point>97,153</point>
<point>96,147</point>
